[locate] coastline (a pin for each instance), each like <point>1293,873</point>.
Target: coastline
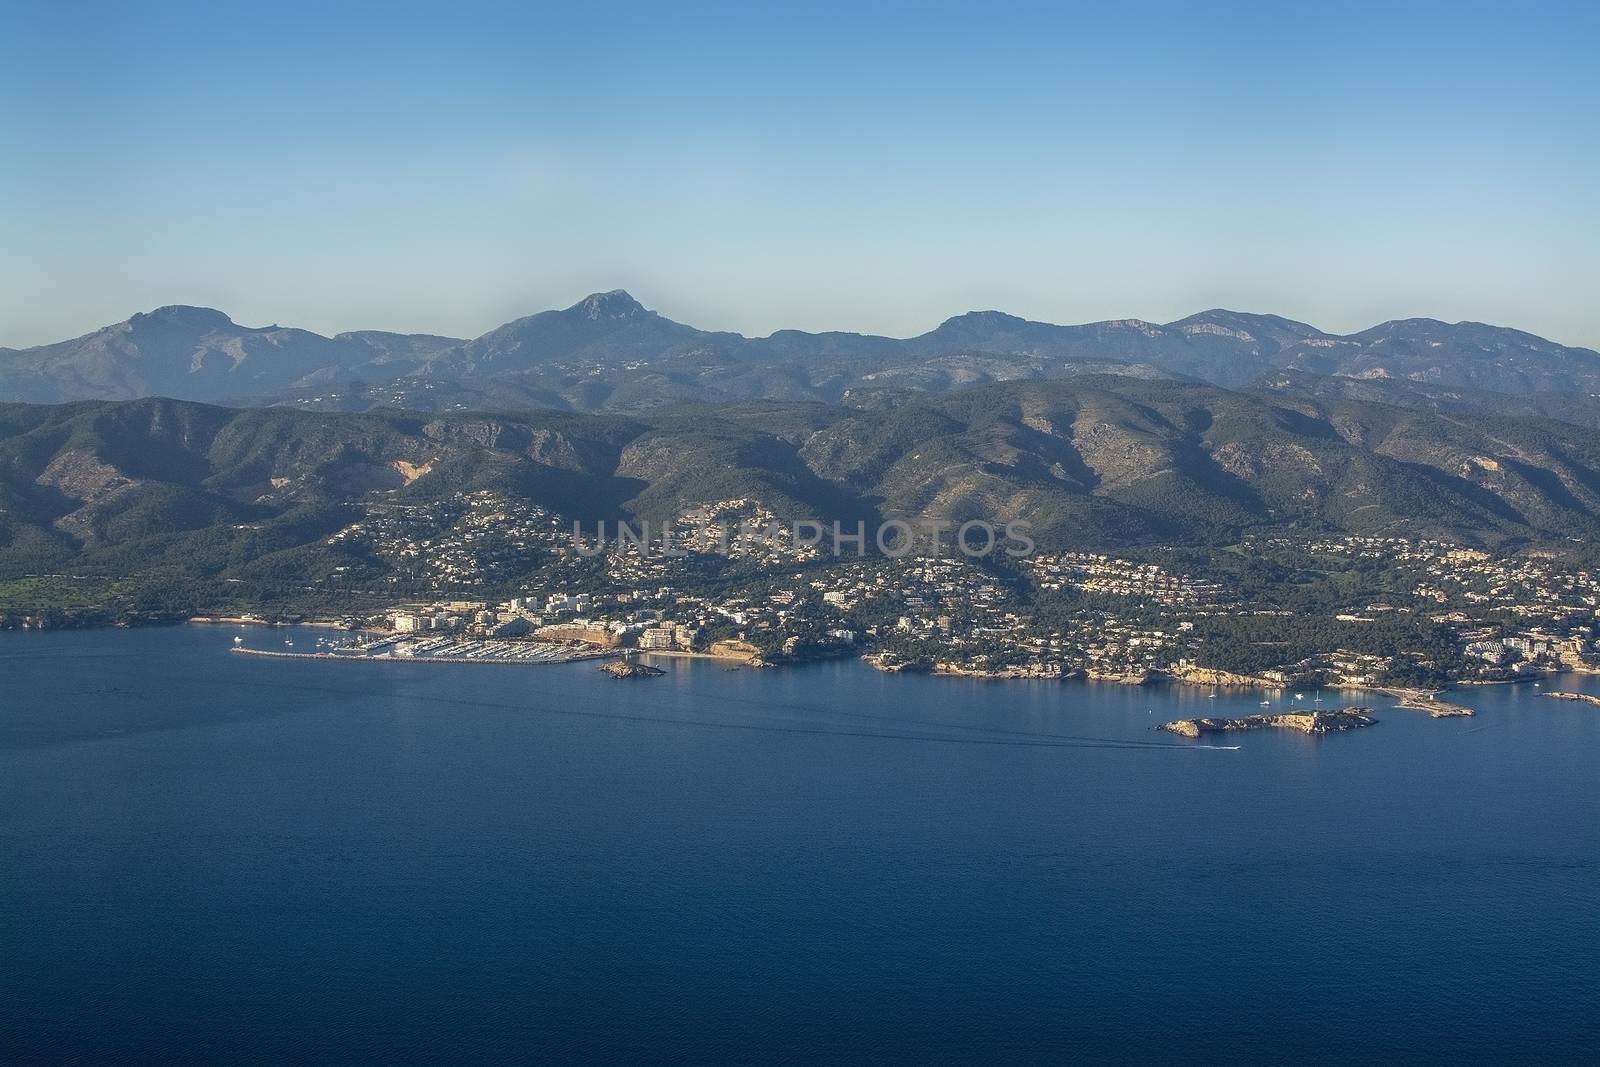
<point>1297,716</point>
<point>1410,699</point>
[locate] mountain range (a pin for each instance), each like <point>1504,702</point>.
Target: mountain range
<point>1102,436</point>
<point>609,353</point>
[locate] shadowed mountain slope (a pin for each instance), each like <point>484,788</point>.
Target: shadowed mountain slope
<point>1096,462</point>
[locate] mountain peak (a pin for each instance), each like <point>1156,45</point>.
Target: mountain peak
<point>617,304</point>
<point>1226,316</point>
<point>185,315</point>
<point>982,318</point>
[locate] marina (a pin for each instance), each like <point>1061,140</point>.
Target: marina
<point>406,648</point>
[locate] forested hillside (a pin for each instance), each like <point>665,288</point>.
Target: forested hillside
<point>162,489</point>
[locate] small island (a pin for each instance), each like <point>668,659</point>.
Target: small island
<point>622,668</point>
<point>1308,722</point>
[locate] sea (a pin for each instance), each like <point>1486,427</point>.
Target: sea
<point>209,857</point>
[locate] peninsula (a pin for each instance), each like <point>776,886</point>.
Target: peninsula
<point>1583,698</point>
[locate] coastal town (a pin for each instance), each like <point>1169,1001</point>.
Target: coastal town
<point>481,578</point>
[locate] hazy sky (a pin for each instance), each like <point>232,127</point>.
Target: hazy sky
<point>874,167</point>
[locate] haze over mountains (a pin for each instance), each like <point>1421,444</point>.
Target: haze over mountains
<point>609,353</point>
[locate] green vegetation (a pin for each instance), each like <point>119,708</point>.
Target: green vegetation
<point>1426,653</point>
<point>176,506</point>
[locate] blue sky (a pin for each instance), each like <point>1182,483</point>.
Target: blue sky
<point>874,167</point>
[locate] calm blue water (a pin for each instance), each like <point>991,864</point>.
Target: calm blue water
<point>208,856</point>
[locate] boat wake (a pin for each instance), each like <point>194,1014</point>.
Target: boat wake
<point>887,728</point>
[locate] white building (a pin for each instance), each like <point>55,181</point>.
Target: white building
<point>661,638</point>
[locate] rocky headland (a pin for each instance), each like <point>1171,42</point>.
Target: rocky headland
<point>1582,698</point>
<point>1425,700</point>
